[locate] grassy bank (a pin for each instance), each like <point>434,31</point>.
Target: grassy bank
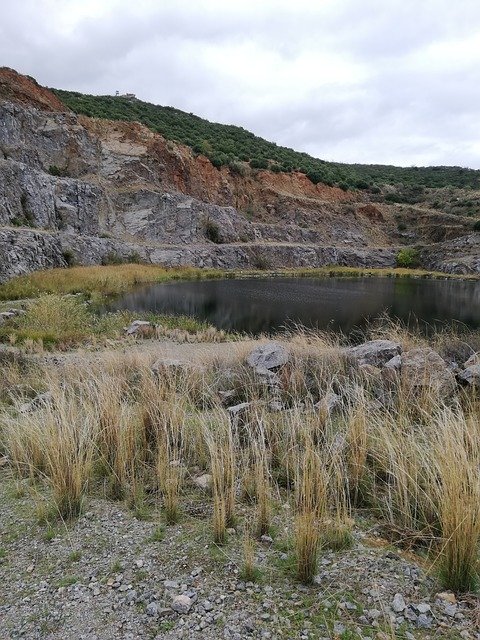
<point>116,279</point>
<point>98,280</point>
<point>67,321</point>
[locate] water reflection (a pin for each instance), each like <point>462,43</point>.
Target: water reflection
<point>261,305</point>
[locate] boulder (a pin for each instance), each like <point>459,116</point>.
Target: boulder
<point>369,371</point>
<point>203,482</point>
<point>375,352</point>
<point>423,367</point>
<point>473,360</point>
<point>41,400</point>
<point>139,328</point>
<point>16,312</point>
<point>392,369</point>
<point>329,403</point>
<point>268,357</point>
<point>470,375</point>
<point>394,363</point>
<point>181,604</point>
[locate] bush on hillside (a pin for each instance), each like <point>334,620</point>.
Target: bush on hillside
<point>212,232</point>
<point>408,258</point>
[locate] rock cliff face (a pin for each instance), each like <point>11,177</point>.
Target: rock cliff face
<point>93,190</point>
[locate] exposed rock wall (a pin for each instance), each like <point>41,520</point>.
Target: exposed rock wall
<point>460,256</point>
<point>97,190</point>
<point>24,250</point>
<point>42,139</point>
<point>31,197</point>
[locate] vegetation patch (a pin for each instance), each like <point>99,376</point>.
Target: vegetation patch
<point>229,145</point>
<point>66,321</point>
<point>408,258</point>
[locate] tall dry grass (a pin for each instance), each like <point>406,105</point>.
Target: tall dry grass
<point>55,443</point>
<point>310,508</point>
<point>456,447</point>
<point>411,461</point>
<point>220,442</point>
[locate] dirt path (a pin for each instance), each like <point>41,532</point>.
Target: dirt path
<point>149,351</point>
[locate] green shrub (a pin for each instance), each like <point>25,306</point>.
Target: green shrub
<point>408,258</point>
<point>53,170</point>
<point>476,226</point>
<point>259,163</point>
<point>237,168</point>
<point>133,258</point>
<point>212,232</point>
<point>112,257</point>
<point>314,176</point>
<point>259,262</point>
<point>362,184</point>
<point>69,257</point>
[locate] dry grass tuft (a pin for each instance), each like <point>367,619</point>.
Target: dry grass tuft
<point>457,454</point>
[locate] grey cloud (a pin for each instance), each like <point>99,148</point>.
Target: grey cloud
<point>343,80</point>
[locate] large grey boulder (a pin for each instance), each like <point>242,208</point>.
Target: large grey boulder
<point>268,357</point>
<point>423,367</point>
<point>375,352</point>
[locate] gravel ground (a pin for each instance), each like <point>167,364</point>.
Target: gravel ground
<point>112,575</point>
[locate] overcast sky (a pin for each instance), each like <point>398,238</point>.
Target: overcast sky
<point>387,81</point>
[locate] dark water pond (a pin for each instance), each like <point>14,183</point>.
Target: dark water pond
<point>267,304</point>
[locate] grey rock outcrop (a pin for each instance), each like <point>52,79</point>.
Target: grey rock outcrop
<point>422,367</point>
<point>470,375</point>
<point>23,251</point>
<point>268,357</point>
<point>375,352</point>
<point>30,197</point>
<point>43,139</point>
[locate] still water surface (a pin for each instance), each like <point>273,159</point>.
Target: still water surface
<point>268,304</point>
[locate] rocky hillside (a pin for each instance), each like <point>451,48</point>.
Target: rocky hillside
<point>234,146</point>
<point>75,189</point>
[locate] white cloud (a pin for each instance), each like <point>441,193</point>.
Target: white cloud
<point>375,81</point>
